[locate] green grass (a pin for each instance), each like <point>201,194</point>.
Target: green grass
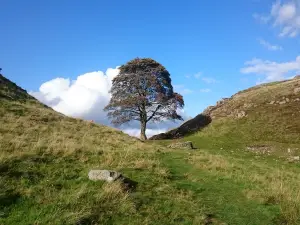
<point>45,158</point>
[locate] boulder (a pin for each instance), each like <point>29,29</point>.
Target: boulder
<point>297,90</point>
<point>241,114</point>
<point>110,176</point>
<point>105,175</point>
<point>272,103</point>
<point>294,159</point>
<point>282,102</point>
<point>185,145</point>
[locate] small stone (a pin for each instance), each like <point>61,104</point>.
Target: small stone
<point>297,90</point>
<point>105,175</point>
<point>272,102</point>
<point>282,102</point>
<point>287,100</point>
<point>294,159</point>
<point>186,145</point>
<point>241,114</point>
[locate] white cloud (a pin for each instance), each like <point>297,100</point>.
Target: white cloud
<point>198,75</point>
<point>271,71</point>
<point>261,18</point>
<point>86,97</point>
<point>205,90</point>
<point>209,80</point>
<point>181,89</point>
<point>269,46</point>
<point>284,16</point>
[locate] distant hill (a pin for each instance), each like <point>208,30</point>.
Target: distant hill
<point>267,112</point>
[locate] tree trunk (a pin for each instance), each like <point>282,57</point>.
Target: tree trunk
<point>143,131</point>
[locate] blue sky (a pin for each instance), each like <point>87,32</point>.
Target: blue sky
<point>203,44</point>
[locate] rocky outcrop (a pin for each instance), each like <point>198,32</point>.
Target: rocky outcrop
<point>241,114</point>
<point>297,90</point>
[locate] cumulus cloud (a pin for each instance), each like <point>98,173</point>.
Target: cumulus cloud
<point>198,76</point>
<point>181,89</point>
<point>205,90</point>
<point>86,97</point>
<point>261,18</point>
<point>284,16</point>
<point>209,80</point>
<point>271,71</point>
<point>269,46</point>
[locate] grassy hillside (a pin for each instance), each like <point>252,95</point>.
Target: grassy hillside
<point>45,158</point>
<point>267,114</point>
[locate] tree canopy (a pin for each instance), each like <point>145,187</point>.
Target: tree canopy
<point>143,92</point>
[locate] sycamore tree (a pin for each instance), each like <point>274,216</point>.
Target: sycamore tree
<point>143,92</point>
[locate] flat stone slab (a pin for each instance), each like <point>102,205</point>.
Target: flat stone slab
<point>105,175</point>
<point>185,145</point>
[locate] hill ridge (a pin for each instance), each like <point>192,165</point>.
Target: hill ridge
<point>284,93</point>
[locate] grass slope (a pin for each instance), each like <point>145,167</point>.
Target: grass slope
<point>45,158</point>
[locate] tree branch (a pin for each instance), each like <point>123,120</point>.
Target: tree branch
<point>157,108</point>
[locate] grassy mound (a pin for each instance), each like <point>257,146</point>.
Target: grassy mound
<point>45,158</point>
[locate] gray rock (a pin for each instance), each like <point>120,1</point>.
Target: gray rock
<point>241,114</point>
<point>297,90</point>
<point>282,102</point>
<point>272,102</point>
<point>105,175</point>
<point>185,145</point>
<point>294,158</point>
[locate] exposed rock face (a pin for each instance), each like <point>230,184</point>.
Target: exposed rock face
<point>297,90</point>
<point>241,114</point>
<point>185,145</point>
<point>188,127</point>
<point>294,159</point>
<point>105,175</point>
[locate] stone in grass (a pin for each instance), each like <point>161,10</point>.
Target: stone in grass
<point>110,176</point>
<point>294,159</point>
<point>105,175</point>
<point>185,145</point>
